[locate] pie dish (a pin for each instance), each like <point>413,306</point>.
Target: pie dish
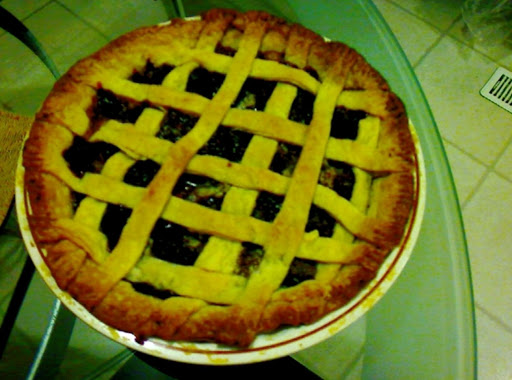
<point>215,179</point>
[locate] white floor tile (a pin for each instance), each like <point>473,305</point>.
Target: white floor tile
<point>22,87</point>
<point>498,51</point>
<point>83,45</point>
<point>506,61</point>
<point>69,39</point>
<point>440,13</point>
<point>414,35</point>
<point>452,88</point>
<point>22,9</point>
<point>461,164</point>
<point>487,219</point>
<point>65,27</point>
<point>113,18</point>
<point>495,349</point>
<point>504,165</point>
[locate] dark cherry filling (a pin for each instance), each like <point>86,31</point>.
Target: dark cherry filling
<point>249,259</point>
<point>141,173</point>
<point>320,220</point>
<point>204,82</point>
<point>338,176</point>
<point>311,71</point>
<point>285,159</point>
<point>76,198</point>
<point>252,254</point>
<point>267,206</point>
<point>300,270</point>
<point>150,290</point>
<point>176,125</point>
<point>224,50</point>
<point>176,244</point>
<point>113,222</point>
<point>228,143</point>
<point>254,94</point>
<point>83,156</point>
<point>302,107</point>
<point>110,106</point>
<point>151,74</point>
<point>271,55</point>
<point>345,123</point>
<point>202,190</point>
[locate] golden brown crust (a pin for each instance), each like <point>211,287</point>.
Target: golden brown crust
<point>67,113</point>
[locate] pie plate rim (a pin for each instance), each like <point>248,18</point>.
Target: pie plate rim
<point>267,346</point>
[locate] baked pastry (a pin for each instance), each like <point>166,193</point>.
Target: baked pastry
<point>216,178</point>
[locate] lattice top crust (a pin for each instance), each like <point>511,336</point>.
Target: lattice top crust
<point>217,178</point>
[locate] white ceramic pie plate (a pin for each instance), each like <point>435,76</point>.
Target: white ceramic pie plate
<point>283,342</point>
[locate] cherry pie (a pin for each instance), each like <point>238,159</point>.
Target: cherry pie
<point>216,178</point>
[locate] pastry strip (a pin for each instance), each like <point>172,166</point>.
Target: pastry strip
<point>144,215</point>
<point>288,227</point>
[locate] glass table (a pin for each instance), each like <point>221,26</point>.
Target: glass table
<point>424,326</point>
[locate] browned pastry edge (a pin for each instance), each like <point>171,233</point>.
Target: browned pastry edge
<point>125,309</point>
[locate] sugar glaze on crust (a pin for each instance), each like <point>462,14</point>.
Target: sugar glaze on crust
<point>211,303</point>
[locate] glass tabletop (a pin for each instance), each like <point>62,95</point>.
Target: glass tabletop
<point>424,325</point>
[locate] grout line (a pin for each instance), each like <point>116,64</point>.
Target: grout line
<point>428,51</point>
<point>36,10</point>
<point>479,183</point>
<point>446,33</point>
<point>489,169</point>
<point>440,30</point>
<point>3,32</point>
<point>90,25</point>
<point>482,53</point>
<point>471,44</point>
<point>494,318</point>
<point>502,152</point>
<point>469,154</point>
<point>443,34</point>
<point>502,176</point>
<point>475,189</point>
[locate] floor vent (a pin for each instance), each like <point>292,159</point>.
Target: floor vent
<point>499,89</point>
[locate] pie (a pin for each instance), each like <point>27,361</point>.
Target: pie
<point>217,178</point>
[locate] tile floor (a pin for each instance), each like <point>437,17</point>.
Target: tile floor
<point>451,67</point>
